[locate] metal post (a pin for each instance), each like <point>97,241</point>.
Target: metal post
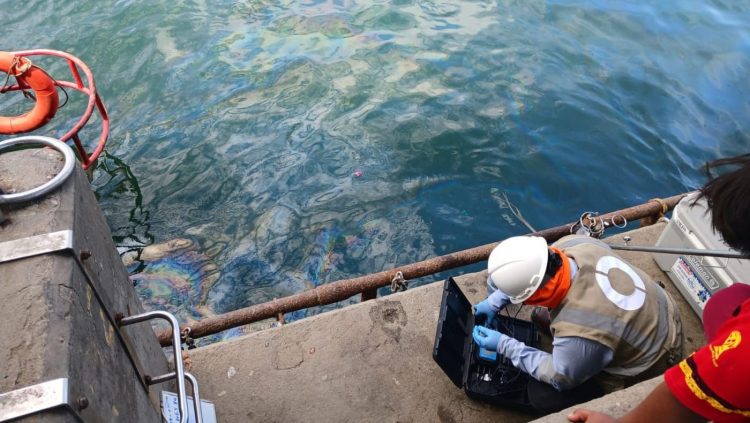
<point>196,397</point>
<point>681,251</point>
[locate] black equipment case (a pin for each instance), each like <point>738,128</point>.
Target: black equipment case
<point>457,354</point>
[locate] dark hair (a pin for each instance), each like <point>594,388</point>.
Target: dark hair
<point>554,262</point>
<point>728,198</point>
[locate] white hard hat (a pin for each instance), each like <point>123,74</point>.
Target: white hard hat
<point>517,265</point>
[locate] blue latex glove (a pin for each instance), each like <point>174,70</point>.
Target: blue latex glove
<point>486,338</point>
<point>485,309</point>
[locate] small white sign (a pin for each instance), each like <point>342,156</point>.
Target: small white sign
<point>170,409</point>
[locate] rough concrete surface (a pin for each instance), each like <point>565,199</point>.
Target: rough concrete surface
<point>22,344</point>
<point>57,316</point>
<point>368,362</point>
<point>371,361</point>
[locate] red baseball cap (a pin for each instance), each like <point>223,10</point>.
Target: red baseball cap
<point>722,306</point>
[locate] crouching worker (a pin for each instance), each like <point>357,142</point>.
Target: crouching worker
<point>604,315</point>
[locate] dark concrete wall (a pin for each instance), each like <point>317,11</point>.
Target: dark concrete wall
<point>52,322</point>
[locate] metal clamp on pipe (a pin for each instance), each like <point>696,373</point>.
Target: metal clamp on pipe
<point>179,373</point>
<point>50,185</point>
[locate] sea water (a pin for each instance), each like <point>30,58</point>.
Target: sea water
<point>278,146</point>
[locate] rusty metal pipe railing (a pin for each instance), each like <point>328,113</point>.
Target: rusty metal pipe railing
<point>342,289</point>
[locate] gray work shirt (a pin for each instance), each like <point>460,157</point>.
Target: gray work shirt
<point>573,360</point>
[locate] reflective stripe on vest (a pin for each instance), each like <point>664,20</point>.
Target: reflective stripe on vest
<point>662,332</point>
<point>637,326</point>
<point>617,328</point>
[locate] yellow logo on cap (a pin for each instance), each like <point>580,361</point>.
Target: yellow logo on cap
<point>732,341</point>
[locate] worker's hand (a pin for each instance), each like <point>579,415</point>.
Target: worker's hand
<point>486,338</point>
<point>485,309</point>
<point>588,416</point>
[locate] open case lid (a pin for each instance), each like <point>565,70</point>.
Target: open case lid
<point>454,327</point>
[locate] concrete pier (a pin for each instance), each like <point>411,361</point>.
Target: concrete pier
<point>58,319</point>
<point>372,362</point>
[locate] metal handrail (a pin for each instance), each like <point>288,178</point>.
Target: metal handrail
<point>340,290</point>
<point>179,373</point>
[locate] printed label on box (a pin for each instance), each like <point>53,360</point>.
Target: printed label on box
<point>691,281</point>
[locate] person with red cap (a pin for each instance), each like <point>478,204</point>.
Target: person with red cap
<point>714,382</point>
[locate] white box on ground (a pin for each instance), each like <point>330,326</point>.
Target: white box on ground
<point>697,277</point>
<point>170,409</point>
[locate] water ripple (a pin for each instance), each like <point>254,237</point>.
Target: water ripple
<point>295,143</point>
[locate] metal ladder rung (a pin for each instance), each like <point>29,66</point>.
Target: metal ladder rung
<point>193,383</point>
<point>179,374</point>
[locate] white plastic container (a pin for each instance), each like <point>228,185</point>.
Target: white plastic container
<point>697,277</point>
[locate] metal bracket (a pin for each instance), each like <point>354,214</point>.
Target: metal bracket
<point>36,245</point>
<point>34,399</point>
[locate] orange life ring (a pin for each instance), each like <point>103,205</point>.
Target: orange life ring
<point>44,88</point>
